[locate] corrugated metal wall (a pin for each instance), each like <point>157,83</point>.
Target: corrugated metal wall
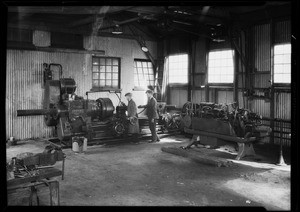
<point>225,97</point>
<point>262,47</point>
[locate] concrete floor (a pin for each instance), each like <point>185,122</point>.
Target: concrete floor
<point>143,175</point>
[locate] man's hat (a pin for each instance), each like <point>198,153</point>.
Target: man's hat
<point>149,91</point>
<point>128,94</point>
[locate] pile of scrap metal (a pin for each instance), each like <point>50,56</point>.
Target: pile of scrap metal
<point>215,123</point>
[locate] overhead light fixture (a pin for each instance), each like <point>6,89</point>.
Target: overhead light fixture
<point>218,40</point>
<point>117,30</point>
<point>144,49</point>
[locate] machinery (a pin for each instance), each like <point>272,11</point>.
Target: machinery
<point>224,122</point>
<point>72,115</point>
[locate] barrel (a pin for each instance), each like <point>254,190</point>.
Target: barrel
<point>106,107</point>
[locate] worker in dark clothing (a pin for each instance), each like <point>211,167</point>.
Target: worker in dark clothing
<point>133,126</point>
<point>151,112</point>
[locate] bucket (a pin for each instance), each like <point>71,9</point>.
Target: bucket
<point>79,144</point>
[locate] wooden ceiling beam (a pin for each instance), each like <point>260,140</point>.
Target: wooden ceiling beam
<point>93,18</point>
<point>55,28</point>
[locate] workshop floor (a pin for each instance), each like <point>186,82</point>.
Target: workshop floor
<point>143,175</point>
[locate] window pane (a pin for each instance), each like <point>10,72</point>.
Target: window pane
<point>108,83</point>
<point>115,83</point>
<point>102,61</point>
<point>278,59</point>
<point>95,69</point>
<point>115,76</point>
<point>287,69</point>
<point>95,61</point>
<point>108,62</point>
<point>139,64</point>
<point>95,75</point>
<point>102,76</point>
<point>95,83</point>
<point>108,69</point>
<point>102,68</point>
<point>102,83</point>
<point>108,76</point>
<point>115,69</point>
<point>278,69</point>
<point>287,58</point>
<point>115,62</point>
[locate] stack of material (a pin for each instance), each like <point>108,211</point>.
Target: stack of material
<point>199,156</point>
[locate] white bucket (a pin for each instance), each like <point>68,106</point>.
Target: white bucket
<point>79,148</point>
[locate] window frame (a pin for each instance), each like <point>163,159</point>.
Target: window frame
<point>280,84</point>
<point>178,84</point>
<point>119,74</point>
<point>140,88</point>
<point>222,84</point>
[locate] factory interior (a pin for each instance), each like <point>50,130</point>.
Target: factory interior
<point>149,105</point>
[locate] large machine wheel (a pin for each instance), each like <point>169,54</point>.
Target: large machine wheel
<point>106,107</point>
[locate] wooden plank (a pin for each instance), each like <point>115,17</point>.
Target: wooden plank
<point>199,158</point>
<point>220,136</point>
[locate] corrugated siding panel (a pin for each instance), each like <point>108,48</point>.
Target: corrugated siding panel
<point>283,106</point>
<point>261,106</point>
<point>178,96</point>
<point>262,80</point>
<point>283,32</point>
<point>225,97</point>
<point>261,47</point>
<point>199,96</point>
<point>283,111</point>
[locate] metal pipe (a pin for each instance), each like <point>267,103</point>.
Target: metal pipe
<point>36,112</point>
<point>225,137</point>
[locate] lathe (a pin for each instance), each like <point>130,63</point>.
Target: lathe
<point>71,115</point>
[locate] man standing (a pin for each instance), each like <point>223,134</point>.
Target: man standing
<point>133,127</point>
<point>151,112</point>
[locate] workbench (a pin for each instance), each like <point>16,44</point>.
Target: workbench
<point>43,178</point>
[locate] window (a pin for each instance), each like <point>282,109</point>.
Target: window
<point>282,63</point>
<point>106,72</point>
<point>220,66</point>
<point>143,73</point>
<point>178,68</point>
